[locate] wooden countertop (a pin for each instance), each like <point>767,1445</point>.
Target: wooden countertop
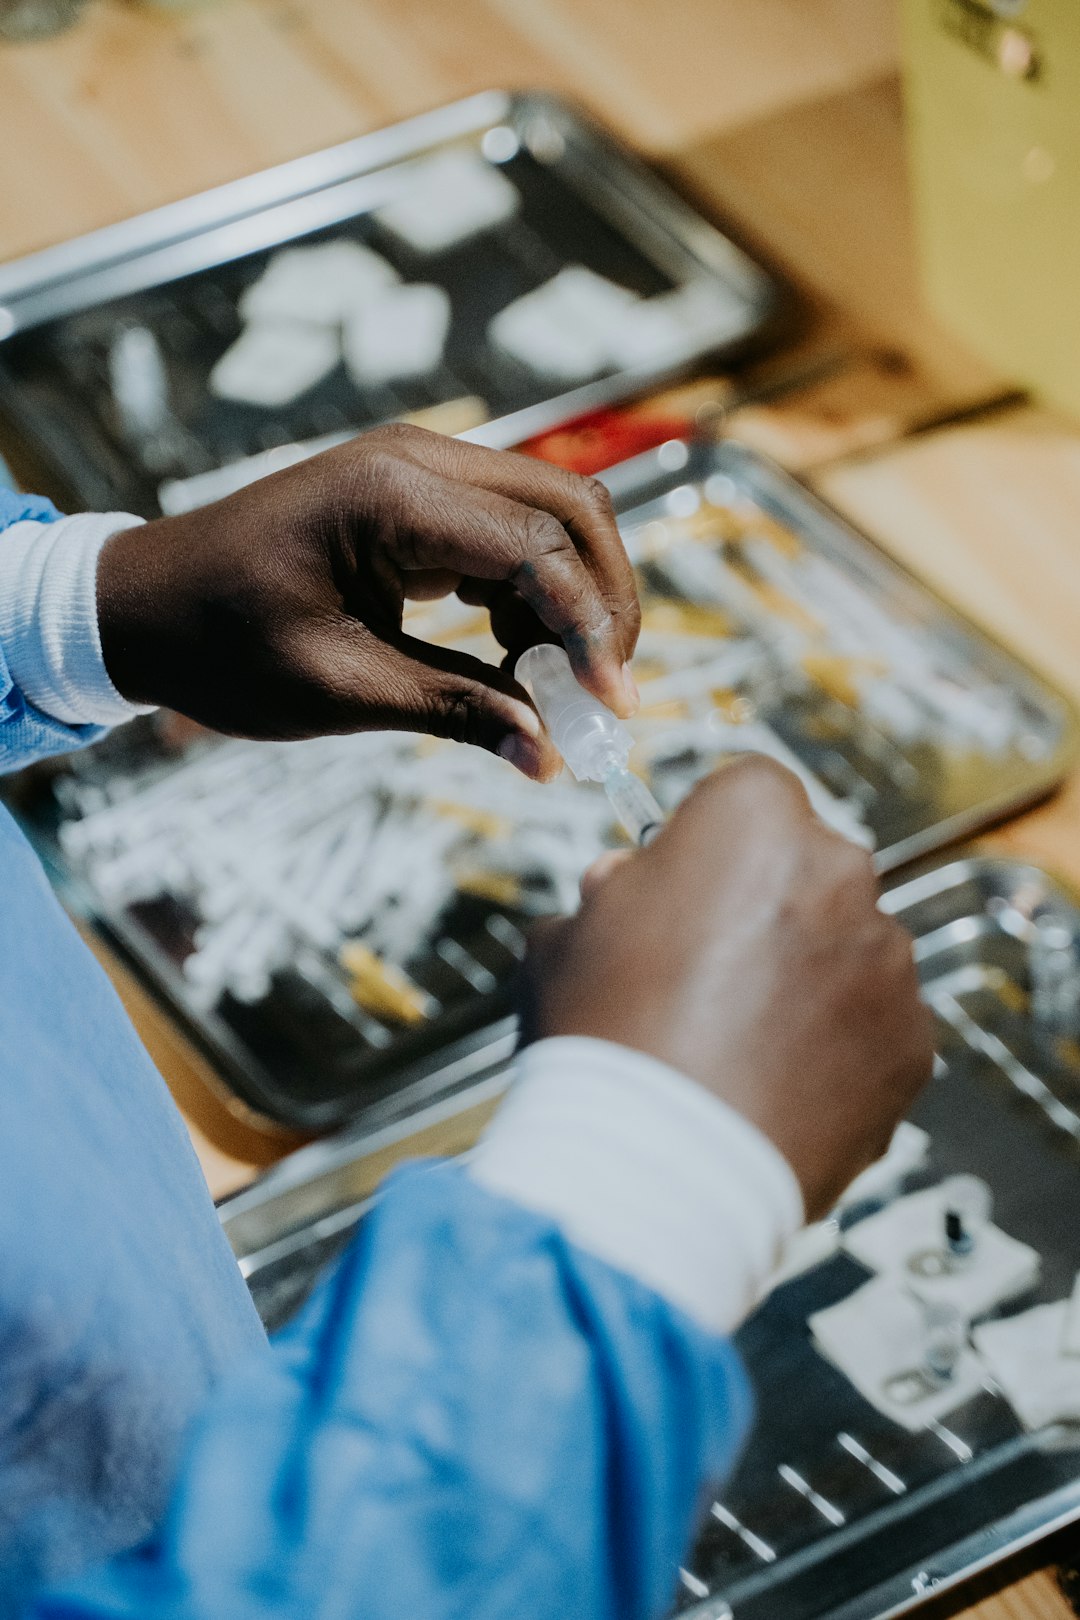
<point>136,107</point>
<point>783,116</point>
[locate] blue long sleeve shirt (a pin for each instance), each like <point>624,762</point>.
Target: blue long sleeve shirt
<point>473,1416</point>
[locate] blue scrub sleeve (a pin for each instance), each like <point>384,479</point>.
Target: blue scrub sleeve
<point>26,734</point>
<point>15,507</point>
<point>120,1301</point>
<point>471,1418</point>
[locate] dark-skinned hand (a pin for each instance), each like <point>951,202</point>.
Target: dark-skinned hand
<point>278,612</point>
<point>745,948</point>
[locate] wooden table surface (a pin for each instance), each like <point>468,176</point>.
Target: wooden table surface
<point>783,117</point>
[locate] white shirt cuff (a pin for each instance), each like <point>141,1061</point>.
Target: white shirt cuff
<point>48,617</point>
<point>647,1171</point>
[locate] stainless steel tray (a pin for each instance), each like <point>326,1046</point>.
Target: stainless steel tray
<point>180,271</point>
<point>1005,1105</point>
<point>769,624</point>
<point>905,719</point>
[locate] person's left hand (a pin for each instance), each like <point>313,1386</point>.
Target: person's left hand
<point>278,612</point>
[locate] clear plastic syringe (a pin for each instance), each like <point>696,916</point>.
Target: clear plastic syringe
<point>593,742</point>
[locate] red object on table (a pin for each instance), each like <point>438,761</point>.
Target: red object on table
<point>599,440</point>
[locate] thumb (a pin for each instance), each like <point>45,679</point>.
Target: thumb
<point>451,694</point>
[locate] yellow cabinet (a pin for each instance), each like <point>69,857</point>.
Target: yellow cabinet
<point>993,96</point>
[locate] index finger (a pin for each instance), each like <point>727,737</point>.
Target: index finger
<point>582,505</point>
<point>473,532</point>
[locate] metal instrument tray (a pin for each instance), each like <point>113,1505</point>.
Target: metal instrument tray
<point>769,624</point>
<point>946,1502</point>
<point>180,272</point>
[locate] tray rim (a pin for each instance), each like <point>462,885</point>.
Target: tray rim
<point>90,269</point>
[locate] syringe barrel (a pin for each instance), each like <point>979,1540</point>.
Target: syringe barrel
<point>586,733</point>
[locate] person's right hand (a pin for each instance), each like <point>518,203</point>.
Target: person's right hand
<point>745,948</point>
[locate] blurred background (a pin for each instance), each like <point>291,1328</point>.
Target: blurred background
<point>802,272</point>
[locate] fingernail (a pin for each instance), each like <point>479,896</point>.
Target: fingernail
<point>633,696</point>
<point>521,752</point>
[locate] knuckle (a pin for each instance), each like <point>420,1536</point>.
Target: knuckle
<point>752,793</point>
<point>543,533</point>
<point>769,784</point>
<point>740,776</point>
<point>900,948</point>
<point>595,497</point>
<point>378,470</point>
<point>855,867</point>
<point>849,882</point>
<point>400,434</point>
<point>754,771</point>
<point>453,715</point>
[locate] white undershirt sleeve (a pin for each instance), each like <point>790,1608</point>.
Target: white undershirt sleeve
<point>646,1170</point>
<point>48,617</point>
